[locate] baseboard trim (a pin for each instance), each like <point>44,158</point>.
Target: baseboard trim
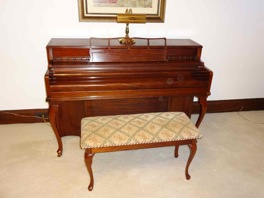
<point>217,106</point>
<point>23,116</point>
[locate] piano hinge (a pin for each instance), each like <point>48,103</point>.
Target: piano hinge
<point>51,72</point>
<point>182,58</point>
<point>51,78</point>
<point>72,59</point>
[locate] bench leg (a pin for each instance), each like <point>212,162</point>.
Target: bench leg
<point>176,151</point>
<point>88,158</point>
<point>193,148</point>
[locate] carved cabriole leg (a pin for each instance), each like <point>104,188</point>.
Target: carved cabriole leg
<point>53,110</point>
<point>203,104</point>
<point>88,158</point>
<point>193,148</point>
<point>176,151</point>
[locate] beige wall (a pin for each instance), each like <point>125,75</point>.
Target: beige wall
<point>231,32</point>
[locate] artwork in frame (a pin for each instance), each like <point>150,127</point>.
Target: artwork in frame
<point>107,10</point>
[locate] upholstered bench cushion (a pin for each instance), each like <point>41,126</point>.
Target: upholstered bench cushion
<point>119,130</point>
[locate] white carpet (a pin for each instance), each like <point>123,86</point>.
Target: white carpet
<point>229,163</point>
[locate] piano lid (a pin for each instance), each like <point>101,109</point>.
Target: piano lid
<point>110,50</point>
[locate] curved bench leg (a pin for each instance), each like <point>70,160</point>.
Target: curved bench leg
<point>193,148</point>
<point>176,151</point>
<point>88,158</point>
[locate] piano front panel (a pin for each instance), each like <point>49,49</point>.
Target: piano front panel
<point>125,106</point>
<point>71,112</point>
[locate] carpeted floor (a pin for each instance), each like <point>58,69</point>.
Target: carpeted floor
<point>229,163</point>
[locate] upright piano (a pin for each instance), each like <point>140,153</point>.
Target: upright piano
<point>99,76</point>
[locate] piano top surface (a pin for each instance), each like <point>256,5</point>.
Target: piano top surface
<point>86,42</point>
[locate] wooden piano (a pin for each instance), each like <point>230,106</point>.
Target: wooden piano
<point>99,76</point>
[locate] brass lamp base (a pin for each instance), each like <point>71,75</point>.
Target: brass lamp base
<point>127,41</point>
<point>127,18</point>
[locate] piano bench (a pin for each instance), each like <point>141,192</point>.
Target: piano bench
<point>137,131</point>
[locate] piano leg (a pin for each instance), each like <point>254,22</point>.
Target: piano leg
<point>53,110</point>
<point>203,104</point>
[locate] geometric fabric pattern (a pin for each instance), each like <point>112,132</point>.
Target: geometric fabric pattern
<point>119,130</point>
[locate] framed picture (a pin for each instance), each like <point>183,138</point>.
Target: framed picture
<point>107,10</point>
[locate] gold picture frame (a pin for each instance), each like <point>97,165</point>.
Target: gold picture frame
<point>107,10</point>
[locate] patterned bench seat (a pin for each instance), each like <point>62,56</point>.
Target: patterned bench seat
<point>137,131</point>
